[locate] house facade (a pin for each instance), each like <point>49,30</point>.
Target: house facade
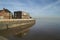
<point>5,14</point>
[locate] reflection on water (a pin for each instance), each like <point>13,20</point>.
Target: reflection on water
<point>44,29</point>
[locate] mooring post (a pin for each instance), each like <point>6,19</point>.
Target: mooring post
<point>7,26</point>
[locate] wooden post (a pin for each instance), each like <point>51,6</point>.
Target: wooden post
<point>7,26</point>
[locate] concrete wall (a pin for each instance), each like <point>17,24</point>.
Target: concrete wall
<point>15,22</point>
<point>15,26</point>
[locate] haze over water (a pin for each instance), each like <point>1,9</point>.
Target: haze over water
<point>44,29</point>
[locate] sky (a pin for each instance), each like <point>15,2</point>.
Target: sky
<point>36,8</point>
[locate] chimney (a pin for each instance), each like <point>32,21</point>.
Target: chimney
<point>3,8</point>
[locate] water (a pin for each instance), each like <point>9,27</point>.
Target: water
<point>44,29</point>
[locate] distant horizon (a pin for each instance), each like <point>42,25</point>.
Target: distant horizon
<point>46,17</point>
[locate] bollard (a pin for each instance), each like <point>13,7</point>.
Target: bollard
<point>7,26</point>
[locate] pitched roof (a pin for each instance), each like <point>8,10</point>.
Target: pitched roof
<point>6,10</point>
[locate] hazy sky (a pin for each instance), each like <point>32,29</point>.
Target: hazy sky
<point>36,8</point>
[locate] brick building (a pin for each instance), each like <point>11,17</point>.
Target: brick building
<point>5,14</point>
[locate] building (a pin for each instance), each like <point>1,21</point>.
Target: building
<point>18,14</point>
<point>21,15</point>
<point>25,15</point>
<point>5,14</point>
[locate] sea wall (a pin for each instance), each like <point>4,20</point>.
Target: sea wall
<point>10,23</point>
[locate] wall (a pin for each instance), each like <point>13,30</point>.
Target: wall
<point>14,22</point>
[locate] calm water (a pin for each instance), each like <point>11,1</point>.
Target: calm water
<point>44,29</point>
